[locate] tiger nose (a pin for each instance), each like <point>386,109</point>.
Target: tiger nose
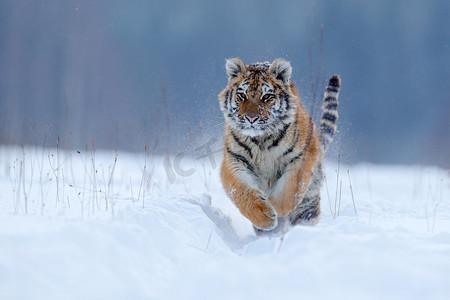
<point>252,118</point>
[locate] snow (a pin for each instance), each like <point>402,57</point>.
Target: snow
<point>96,238</point>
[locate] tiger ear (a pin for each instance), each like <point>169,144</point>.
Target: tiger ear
<point>281,69</point>
<point>235,67</point>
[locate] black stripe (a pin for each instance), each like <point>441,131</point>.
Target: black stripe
<point>326,129</point>
<point>260,142</point>
<point>289,150</point>
<point>280,136</point>
<point>331,106</point>
<point>240,143</point>
<point>296,137</point>
<point>242,159</point>
<point>331,89</point>
<point>265,139</point>
<point>329,117</point>
<point>295,158</point>
<point>227,100</point>
<point>255,141</point>
<point>328,99</point>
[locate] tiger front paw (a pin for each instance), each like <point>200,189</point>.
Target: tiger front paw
<point>263,215</point>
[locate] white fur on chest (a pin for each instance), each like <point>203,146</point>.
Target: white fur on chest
<point>269,167</point>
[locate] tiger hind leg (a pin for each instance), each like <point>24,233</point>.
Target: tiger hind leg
<point>307,213</point>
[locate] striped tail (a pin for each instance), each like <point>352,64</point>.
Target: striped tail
<point>328,123</point>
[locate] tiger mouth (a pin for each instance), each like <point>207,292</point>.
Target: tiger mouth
<point>260,128</point>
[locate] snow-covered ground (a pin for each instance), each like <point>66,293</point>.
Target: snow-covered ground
<point>80,226</point>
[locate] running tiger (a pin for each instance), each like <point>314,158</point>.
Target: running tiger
<point>271,167</point>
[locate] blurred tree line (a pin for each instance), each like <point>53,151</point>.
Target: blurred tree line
<point>129,73</point>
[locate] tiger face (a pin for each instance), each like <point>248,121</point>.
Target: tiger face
<point>259,97</point>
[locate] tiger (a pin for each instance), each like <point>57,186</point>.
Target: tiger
<point>272,154</point>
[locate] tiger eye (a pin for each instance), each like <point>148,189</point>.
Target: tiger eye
<point>267,97</point>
